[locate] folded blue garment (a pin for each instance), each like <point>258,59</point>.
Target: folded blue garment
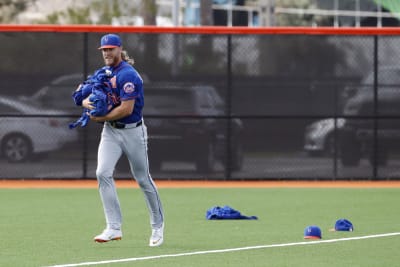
<point>226,213</point>
<point>82,121</point>
<point>99,90</point>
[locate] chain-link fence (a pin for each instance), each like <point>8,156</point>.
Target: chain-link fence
<point>217,106</point>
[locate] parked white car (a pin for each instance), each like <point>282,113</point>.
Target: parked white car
<point>26,129</point>
<point>319,137</point>
<point>58,93</point>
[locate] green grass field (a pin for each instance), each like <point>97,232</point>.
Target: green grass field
<point>45,227</point>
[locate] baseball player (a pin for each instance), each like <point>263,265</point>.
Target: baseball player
<point>124,131</point>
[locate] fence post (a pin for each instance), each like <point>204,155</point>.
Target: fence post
<point>228,167</point>
<point>375,111</point>
<point>85,131</point>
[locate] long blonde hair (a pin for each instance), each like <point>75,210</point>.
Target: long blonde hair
<point>125,57</point>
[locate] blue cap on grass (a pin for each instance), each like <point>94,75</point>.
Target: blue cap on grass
<point>344,225</point>
<point>312,232</point>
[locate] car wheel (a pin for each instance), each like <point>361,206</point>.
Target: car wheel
<point>329,146</point>
<point>314,154</point>
<point>206,161</point>
<point>237,158</point>
<point>382,158</point>
<point>16,148</point>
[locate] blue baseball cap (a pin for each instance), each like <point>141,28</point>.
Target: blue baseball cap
<point>110,41</point>
<point>312,232</point>
<point>344,225</point>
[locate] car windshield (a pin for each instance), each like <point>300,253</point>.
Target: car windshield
<point>183,101</point>
<point>388,76</point>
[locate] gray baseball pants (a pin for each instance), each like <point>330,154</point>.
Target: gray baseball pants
<point>132,142</point>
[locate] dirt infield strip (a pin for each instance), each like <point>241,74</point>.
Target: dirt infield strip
<point>201,184</point>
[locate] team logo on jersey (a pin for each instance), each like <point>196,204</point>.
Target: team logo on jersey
<point>129,87</point>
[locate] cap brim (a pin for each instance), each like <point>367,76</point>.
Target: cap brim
<point>344,230</point>
<point>107,46</point>
<point>311,237</point>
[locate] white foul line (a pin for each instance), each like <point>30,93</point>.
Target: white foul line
<point>226,250</point>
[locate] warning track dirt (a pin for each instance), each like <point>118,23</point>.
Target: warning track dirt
<point>201,184</point>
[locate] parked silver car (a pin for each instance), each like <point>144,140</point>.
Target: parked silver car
<point>319,137</point>
<point>376,138</point>
<point>193,131</point>
<point>26,129</point>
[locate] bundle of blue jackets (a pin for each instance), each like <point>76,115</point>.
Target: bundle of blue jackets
<point>99,90</point>
<point>226,213</point>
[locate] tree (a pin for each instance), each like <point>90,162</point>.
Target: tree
<point>9,9</point>
<point>98,12</point>
<point>71,15</point>
<point>303,19</point>
<point>206,13</point>
<point>149,12</point>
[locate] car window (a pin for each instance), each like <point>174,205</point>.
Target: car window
<point>204,100</point>
<point>209,102</point>
<point>6,109</point>
<point>197,100</point>
<point>68,80</point>
<point>58,94</point>
<point>57,97</point>
<point>168,102</point>
<point>390,76</point>
<point>388,101</point>
<point>208,98</point>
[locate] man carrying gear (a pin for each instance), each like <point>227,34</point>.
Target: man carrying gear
<point>124,131</point>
